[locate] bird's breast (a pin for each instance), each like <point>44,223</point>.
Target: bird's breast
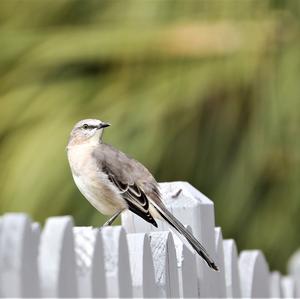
<point>92,182</point>
<point>80,159</point>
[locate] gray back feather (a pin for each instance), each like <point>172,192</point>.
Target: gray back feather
<point>127,170</point>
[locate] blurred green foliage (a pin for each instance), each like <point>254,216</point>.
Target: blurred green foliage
<point>202,91</point>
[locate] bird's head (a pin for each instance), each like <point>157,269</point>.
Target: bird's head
<point>87,131</point>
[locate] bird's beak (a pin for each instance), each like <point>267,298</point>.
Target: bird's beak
<point>103,125</point>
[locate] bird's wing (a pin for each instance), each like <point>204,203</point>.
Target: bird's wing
<point>130,177</point>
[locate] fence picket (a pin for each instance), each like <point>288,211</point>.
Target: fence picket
<point>219,277</point>
<point>288,287</point>
<point>187,269</point>
<point>165,264</point>
<point>89,262</point>
<point>57,259</point>
<point>294,270</point>
<point>232,274</point>
<point>141,265</point>
<point>116,259</point>
<point>275,285</point>
<point>18,255</point>
<point>254,274</point>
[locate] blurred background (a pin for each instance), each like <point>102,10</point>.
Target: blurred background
<point>205,91</point>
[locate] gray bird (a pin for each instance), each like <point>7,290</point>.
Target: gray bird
<point>112,182</point>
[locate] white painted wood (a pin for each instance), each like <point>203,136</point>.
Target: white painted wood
<point>193,208</point>
<point>89,262</point>
<point>116,258</point>
<point>219,277</point>
<point>294,270</point>
<point>232,275</point>
<point>57,259</point>
<point>275,285</point>
<point>288,287</point>
<point>254,274</point>
<point>36,231</point>
<point>141,266</point>
<point>18,249</point>
<point>165,264</point>
<point>187,269</point>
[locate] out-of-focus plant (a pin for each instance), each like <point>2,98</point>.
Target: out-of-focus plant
<point>202,91</point>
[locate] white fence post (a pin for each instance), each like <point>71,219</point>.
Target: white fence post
<point>57,259</point>
<point>141,266</point>
<point>187,269</point>
<point>18,256</point>
<point>294,270</point>
<point>254,274</point>
<point>220,276</point>
<point>116,257</point>
<point>288,287</point>
<point>232,274</point>
<point>165,264</point>
<point>89,262</point>
<point>275,285</point>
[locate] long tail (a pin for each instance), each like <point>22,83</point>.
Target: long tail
<point>179,227</point>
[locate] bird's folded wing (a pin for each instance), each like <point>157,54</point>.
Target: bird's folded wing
<point>132,179</point>
<point>136,199</point>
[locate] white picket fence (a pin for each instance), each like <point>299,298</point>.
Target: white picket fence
<point>135,260</point>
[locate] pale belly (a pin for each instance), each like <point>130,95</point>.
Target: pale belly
<point>103,199</point>
<point>94,185</point>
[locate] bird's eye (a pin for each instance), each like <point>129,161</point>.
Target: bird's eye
<point>85,126</point>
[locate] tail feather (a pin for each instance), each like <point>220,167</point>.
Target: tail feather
<point>179,227</point>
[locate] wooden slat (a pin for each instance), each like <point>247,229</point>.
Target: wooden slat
<point>116,259</point>
<point>232,274</point>
<point>57,259</point>
<point>219,277</point>
<point>141,266</point>
<point>165,267</point>
<point>187,269</point>
<point>275,285</point>
<point>254,274</point>
<point>89,262</point>
<point>18,257</point>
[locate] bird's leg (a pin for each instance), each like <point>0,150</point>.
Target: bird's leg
<point>112,219</point>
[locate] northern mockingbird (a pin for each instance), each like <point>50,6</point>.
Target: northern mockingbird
<point>112,182</point>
